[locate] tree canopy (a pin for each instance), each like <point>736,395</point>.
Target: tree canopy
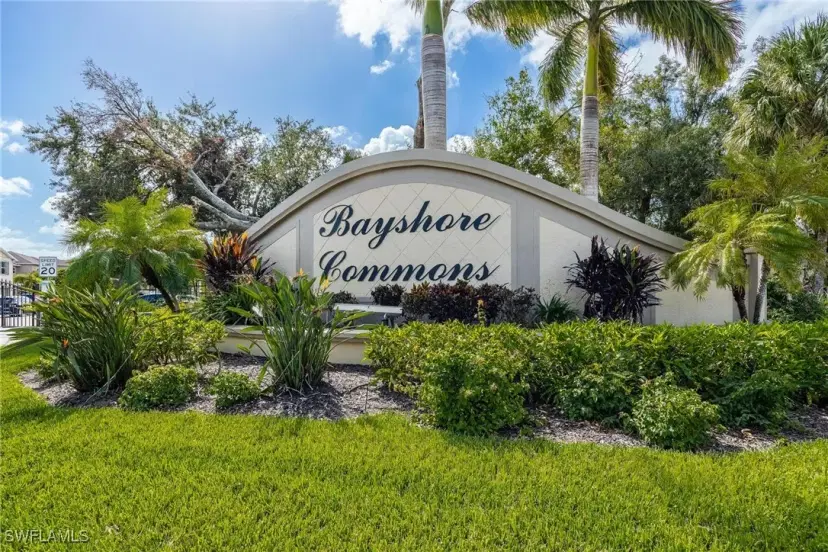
<point>123,145</point>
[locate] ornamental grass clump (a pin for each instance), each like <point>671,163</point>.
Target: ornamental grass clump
<point>297,340</point>
<point>92,336</point>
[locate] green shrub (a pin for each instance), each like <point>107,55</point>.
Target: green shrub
<point>601,393</point>
<point>388,294</point>
<point>344,297</point>
<point>555,310</point>
<point>223,306</point>
<point>594,370</point>
<point>93,335</point>
<point>799,306</point>
<point>47,367</point>
<point>232,388</point>
<point>298,341</point>
<point>179,338</point>
<point>473,387</point>
<point>169,385</point>
<point>670,417</point>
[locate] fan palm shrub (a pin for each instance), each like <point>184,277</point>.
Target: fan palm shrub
<point>707,32</point>
<point>92,335</point>
<point>297,338</point>
<point>761,208</point>
<point>136,242</point>
<point>784,92</point>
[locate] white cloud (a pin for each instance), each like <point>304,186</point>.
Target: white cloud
<point>57,229</point>
<point>389,17</point>
<point>49,206</point>
<point>14,127</point>
<point>366,20</point>
<point>382,67</point>
<point>390,139</point>
<point>342,135</point>
<point>459,143</point>
<point>15,240</point>
<point>452,79</point>
<point>15,147</point>
<point>16,185</point>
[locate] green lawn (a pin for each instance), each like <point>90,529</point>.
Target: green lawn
<point>186,481</point>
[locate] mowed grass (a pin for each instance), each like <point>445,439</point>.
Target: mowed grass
<point>187,481</point>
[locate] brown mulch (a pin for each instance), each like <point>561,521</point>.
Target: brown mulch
<point>346,391</point>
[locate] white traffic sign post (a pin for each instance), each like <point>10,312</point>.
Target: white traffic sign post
<point>47,270</point>
<point>48,267</point>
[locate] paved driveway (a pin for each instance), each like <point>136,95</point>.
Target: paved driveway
<point>4,337</point>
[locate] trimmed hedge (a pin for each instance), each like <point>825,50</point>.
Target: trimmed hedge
<point>753,373</point>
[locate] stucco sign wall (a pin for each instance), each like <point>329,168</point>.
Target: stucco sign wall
<point>411,233</point>
<point>433,216</point>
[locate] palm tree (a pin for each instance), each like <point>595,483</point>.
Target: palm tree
<point>419,129</point>
<point>433,72</point>
<point>786,90</point>
<point>761,209</point>
<point>136,241</point>
<point>707,32</point>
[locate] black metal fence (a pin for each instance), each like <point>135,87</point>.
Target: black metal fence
<point>13,306</point>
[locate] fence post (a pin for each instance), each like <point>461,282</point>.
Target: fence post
<point>2,304</point>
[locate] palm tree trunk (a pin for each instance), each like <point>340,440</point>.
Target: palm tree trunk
<point>589,122</point>
<point>434,76</point>
<point>419,128</point>
<point>760,292</point>
<point>819,275</point>
<point>152,279</point>
<point>739,297</point>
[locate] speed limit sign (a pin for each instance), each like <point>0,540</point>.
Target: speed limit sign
<point>48,267</point>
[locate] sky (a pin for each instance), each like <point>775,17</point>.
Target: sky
<point>351,65</point>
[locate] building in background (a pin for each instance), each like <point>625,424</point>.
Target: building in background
<point>23,264</point>
<point>6,266</point>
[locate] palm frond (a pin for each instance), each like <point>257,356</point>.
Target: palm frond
<point>707,32</point>
<point>560,68</point>
<point>522,20</point>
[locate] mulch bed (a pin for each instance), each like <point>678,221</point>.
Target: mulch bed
<point>346,392</point>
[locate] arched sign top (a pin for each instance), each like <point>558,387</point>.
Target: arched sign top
<point>482,168</point>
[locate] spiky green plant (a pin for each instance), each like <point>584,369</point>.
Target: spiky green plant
<point>137,241</point>
<point>297,339</point>
<point>707,32</point>
<point>761,208</point>
<point>92,336</point>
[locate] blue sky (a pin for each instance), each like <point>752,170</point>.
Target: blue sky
<point>349,64</point>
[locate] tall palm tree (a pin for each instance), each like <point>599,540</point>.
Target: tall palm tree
<point>761,208</point>
<point>707,32</point>
<point>786,90</point>
<point>433,74</point>
<point>419,7</point>
<point>136,241</point>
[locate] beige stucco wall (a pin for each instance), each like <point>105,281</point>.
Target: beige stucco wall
<point>538,228</point>
<point>282,253</point>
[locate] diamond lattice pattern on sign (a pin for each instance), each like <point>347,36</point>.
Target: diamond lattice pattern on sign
<point>491,246</point>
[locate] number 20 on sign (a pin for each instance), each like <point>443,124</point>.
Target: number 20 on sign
<point>48,267</point>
